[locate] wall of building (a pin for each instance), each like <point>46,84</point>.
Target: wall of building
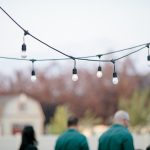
<point>19,112</point>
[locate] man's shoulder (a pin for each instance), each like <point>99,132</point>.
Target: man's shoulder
<point>117,130</point>
<point>72,132</point>
<point>75,132</point>
<point>81,135</point>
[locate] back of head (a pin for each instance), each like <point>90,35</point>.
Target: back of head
<point>72,121</point>
<point>148,148</point>
<point>120,116</point>
<point>28,133</point>
<point>28,137</point>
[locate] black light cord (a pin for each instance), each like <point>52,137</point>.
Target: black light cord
<point>74,58</point>
<point>27,33</point>
<point>13,58</point>
<point>130,53</point>
<point>85,58</point>
<point>12,19</point>
<point>117,51</point>
<point>71,57</point>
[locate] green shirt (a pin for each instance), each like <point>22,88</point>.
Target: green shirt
<point>71,140</point>
<point>116,138</point>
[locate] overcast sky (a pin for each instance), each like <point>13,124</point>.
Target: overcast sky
<point>78,28</point>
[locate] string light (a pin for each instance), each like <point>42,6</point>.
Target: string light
<point>85,58</point>
<point>148,57</point>
<point>115,77</point>
<point>33,75</point>
<point>99,70</point>
<point>74,72</point>
<point>24,47</point>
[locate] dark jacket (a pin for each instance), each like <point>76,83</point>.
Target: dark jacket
<point>31,147</point>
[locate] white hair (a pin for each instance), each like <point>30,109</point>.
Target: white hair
<point>121,115</point>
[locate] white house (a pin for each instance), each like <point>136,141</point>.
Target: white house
<point>19,111</point>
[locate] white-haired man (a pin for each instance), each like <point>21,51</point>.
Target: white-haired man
<point>117,137</point>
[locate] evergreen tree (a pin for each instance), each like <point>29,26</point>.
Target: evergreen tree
<point>59,122</point>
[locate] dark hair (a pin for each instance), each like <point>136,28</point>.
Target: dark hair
<point>148,148</point>
<point>72,121</point>
<point>28,137</point>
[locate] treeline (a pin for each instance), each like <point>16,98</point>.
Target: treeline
<point>98,96</point>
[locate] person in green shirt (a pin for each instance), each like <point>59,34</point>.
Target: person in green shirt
<point>72,139</point>
<point>117,137</point>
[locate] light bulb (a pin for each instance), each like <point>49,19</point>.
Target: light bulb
<point>33,76</point>
<point>74,74</point>
<point>148,59</point>
<point>23,54</point>
<point>115,78</point>
<point>99,72</point>
<point>74,77</point>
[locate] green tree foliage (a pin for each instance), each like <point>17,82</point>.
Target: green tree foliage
<point>89,119</point>
<point>59,122</point>
<point>138,107</point>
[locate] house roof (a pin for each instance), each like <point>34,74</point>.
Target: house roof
<point>19,105</point>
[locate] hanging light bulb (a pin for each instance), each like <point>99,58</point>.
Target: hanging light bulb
<point>24,47</point>
<point>74,74</point>
<point>33,76</point>
<point>23,53</point>
<point>99,72</point>
<point>115,78</point>
<point>148,59</point>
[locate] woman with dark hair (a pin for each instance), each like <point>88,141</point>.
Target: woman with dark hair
<point>148,147</point>
<point>29,141</point>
